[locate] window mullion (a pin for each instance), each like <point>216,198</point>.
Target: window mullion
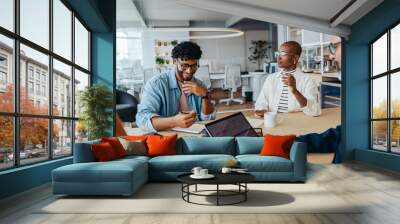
<point>50,81</point>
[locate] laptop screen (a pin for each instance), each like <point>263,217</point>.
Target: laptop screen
<point>233,125</point>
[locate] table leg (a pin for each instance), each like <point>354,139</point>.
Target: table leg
<point>196,187</point>
<point>245,193</point>
<point>217,194</point>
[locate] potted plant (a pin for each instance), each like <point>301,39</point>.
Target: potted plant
<point>174,42</point>
<point>259,52</point>
<point>160,61</point>
<point>96,102</point>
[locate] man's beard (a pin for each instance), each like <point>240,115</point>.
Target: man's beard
<point>187,77</point>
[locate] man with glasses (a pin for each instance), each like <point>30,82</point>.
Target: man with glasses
<point>288,90</point>
<point>176,98</point>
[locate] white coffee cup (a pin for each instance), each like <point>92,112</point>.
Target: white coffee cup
<point>203,172</point>
<point>271,119</point>
<point>226,170</point>
<point>196,170</point>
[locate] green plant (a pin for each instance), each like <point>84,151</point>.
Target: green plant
<point>259,52</point>
<point>174,42</point>
<point>160,61</point>
<point>96,102</point>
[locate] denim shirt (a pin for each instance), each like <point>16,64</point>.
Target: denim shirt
<point>161,98</point>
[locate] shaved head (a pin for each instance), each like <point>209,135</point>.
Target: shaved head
<point>293,47</point>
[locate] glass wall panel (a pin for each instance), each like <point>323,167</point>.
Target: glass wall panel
<point>35,21</point>
<point>62,138</point>
<point>62,29</point>
<point>6,74</point>
<point>34,144</point>
<point>62,89</point>
<point>379,135</point>
<point>34,81</point>
<point>81,45</point>
<point>379,56</point>
<point>6,142</point>
<point>379,98</point>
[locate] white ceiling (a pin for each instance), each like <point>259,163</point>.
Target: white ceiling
<point>310,14</point>
<point>320,9</point>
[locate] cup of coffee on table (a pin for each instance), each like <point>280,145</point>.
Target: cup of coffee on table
<point>196,171</point>
<point>203,172</point>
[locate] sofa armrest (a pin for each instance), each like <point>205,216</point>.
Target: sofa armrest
<point>298,155</point>
<point>83,152</point>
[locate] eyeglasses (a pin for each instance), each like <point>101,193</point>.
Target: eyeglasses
<point>281,53</point>
<point>185,66</point>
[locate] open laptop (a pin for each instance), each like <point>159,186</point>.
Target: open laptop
<point>232,125</point>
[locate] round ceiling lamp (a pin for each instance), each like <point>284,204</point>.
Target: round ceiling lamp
<point>225,32</point>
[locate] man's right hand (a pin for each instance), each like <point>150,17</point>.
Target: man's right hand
<point>185,120</point>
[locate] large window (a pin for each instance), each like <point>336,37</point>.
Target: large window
<point>40,80</point>
<point>385,92</point>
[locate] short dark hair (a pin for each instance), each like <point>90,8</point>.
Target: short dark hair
<point>294,46</point>
<point>186,50</point>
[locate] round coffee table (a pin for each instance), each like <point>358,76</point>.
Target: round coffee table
<point>238,179</point>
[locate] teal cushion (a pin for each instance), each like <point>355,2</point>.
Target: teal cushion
<point>249,145</point>
<point>257,163</point>
<point>111,171</point>
<point>83,152</point>
<point>216,145</point>
<point>185,163</point>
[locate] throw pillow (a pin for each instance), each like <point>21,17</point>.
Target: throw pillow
<point>276,145</point>
<point>116,145</point>
<point>159,145</point>
<point>134,147</point>
<point>103,152</point>
<point>135,137</point>
<point>119,127</point>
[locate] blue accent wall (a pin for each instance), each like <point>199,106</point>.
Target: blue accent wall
<point>355,118</point>
<point>99,16</point>
<point>27,177</point>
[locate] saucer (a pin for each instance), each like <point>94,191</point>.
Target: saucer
<point>208,176</point>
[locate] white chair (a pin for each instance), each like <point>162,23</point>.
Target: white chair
<point>232,82</point>
<point>203,73</point>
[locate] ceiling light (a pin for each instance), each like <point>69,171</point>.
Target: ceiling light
<point>227,32</point>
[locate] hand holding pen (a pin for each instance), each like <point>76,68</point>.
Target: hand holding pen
<point>185,119</point>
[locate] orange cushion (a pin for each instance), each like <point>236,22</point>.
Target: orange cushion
<point>135,137</point>
<point>276,145</point>
<point>159,145</point>
<point>119,127</point>
<point>103,152</point>
<point>116,145</point>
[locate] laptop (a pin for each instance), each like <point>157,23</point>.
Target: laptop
<point>232,126</point>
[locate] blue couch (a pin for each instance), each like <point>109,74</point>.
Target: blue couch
<point>125,176</point>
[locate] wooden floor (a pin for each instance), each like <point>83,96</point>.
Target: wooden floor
<point>379,189</point>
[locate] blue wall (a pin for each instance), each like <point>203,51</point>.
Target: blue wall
<point>355,118</point>
<point>99,16</point>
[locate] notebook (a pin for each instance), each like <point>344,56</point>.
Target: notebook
<point>194,129</point>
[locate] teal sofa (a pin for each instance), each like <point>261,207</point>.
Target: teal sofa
<point>125,176</point>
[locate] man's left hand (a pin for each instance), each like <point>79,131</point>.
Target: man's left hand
<point>192,87</point>
<point>290,81</point>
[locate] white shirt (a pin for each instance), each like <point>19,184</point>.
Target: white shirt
<point>272,90</point>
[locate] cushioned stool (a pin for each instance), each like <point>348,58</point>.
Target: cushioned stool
<point>119,177</point>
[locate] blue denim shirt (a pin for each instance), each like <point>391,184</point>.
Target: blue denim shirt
<point>161,98</point>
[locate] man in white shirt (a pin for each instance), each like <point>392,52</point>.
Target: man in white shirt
<point>289,90</point>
